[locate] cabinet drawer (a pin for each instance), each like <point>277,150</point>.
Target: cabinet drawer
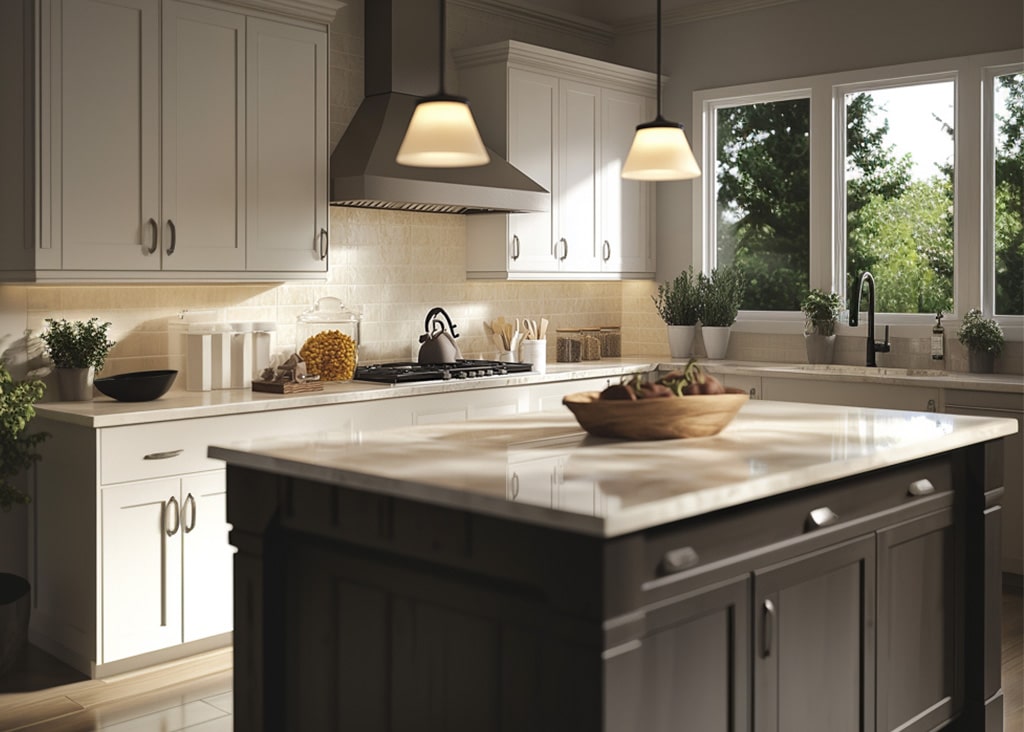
<point>774,528</point>
<point>140,452</point>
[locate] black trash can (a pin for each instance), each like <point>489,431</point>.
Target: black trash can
<point>14,610</point>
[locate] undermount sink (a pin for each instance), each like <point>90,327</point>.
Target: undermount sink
<point>829,368</point>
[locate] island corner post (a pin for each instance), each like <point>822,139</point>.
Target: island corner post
<point>371,612</point>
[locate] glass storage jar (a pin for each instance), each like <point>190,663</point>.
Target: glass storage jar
<point>568,345</point>
<point>611,341</point>
<point>591,344</point>
<point>327,339</point>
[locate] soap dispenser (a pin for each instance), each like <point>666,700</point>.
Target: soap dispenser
<point>938,339</point>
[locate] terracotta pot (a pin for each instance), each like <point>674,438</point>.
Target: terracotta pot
<point>716,340</point>
<point>680,340</point>
<point>981,362</point>
<point>820,348</point>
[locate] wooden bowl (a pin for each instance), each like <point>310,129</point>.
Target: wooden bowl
<point>661,418</point>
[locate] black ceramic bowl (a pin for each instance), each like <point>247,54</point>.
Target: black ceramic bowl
<point>137,386</point>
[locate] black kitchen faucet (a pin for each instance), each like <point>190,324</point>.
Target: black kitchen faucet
<point>873,346</point>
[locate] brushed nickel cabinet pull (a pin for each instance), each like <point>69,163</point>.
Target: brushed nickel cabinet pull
<point>565,249</point>
<point>515,486</point>
<point>191,522</point>
<point>155,230</point>
<point>515,247</point>
<point>677,560</point>
<point>162,455</point>
<point>177,516</point>
<point>767,626</point>
<point>174,237</point>
<point>324,244</point>
<point>921,487</point>
<point>819,518</point>
<point>606,251</point>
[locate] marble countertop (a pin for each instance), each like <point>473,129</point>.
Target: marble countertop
<point>541,468</point>
<point>105,412</point>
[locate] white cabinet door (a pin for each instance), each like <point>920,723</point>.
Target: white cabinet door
<point>140,602</point>
<point>625,242</point>
<point>578,179</point>
<point>104,111</point>
<point>207,557</point>
<point>286,128</point>
<point>879,396</point>
<point>203,138</point>
<point>532,146</point>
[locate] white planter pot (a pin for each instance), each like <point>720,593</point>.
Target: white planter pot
<point>75,385</point>
<point>716,340</point>
<point>820,348</point>
<point>680,340</point>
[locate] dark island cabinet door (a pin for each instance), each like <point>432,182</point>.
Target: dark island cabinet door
<point>919,617</point>
<point>689,671</point>
<point>814,641</point>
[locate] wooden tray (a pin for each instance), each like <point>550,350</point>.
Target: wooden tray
<point>286,387</point>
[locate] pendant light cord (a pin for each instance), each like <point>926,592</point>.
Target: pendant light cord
<point>658,24</point>
<point>444,42</point>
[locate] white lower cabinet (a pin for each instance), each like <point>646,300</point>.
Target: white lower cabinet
<point>166,564</point>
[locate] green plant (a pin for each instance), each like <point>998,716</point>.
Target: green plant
<point>721,294</point>
<point>822,311</point>
<point>980,334</point>
<point>678,300</point>
<point>17,449</point>
<point>77,345</point>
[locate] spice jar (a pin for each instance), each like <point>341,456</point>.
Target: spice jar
<point>611,341</point>
<point>568,346</point>
<point>591,344</point>
<point>327,337</point>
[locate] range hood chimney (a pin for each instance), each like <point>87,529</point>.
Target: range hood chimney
<point>401,42</point>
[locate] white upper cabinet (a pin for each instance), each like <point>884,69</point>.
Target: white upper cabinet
<point>173,141</point>
<point>567,122</point>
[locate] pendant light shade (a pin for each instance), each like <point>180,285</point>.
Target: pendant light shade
<point>442,132</point>
<point>660,150</point>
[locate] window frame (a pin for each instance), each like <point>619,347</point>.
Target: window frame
<point>973,276</point>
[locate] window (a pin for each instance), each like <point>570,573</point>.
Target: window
<point>1008,136</point>
<point>899,194</point>
<point>762,199</point>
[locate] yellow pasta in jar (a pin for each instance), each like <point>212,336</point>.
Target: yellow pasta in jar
<point>331,355</point>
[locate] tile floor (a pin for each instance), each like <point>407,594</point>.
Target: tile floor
<point>44,695</point>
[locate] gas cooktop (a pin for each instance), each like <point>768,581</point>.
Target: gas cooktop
<point>402,372</point>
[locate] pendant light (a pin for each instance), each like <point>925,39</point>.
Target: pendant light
<point>660,150</point>
<point>442,132</point>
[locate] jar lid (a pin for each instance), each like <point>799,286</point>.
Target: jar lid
<point>330,310</point>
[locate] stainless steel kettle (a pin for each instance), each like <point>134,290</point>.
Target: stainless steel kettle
<point>439,339</point>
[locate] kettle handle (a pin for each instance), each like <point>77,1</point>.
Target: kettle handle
<point>432,316</point>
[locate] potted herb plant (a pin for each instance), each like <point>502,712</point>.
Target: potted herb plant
<point>984,340</point>
<point>78,350</point>
<point>17,454</point>
<point>721,295</point>
<point>821,310</point>
<point>678,304</point>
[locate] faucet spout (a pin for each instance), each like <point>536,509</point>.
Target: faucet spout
<point>872,345</point>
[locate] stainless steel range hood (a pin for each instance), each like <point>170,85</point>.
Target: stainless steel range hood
<point>401,42</point>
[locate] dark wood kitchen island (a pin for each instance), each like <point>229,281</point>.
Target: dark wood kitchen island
<point>810,568</point>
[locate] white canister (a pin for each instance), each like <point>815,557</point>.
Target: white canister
<point>535,352</point>
<point>198,360</point>
<point>262,346</point>
<point>241,355</point>
<point>220,356</point>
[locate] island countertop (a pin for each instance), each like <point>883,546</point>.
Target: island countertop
<point>542,469</point>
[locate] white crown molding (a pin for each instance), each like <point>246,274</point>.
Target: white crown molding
<point>317,11</point>
<point>575,25</point>
<point>700,10</point>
